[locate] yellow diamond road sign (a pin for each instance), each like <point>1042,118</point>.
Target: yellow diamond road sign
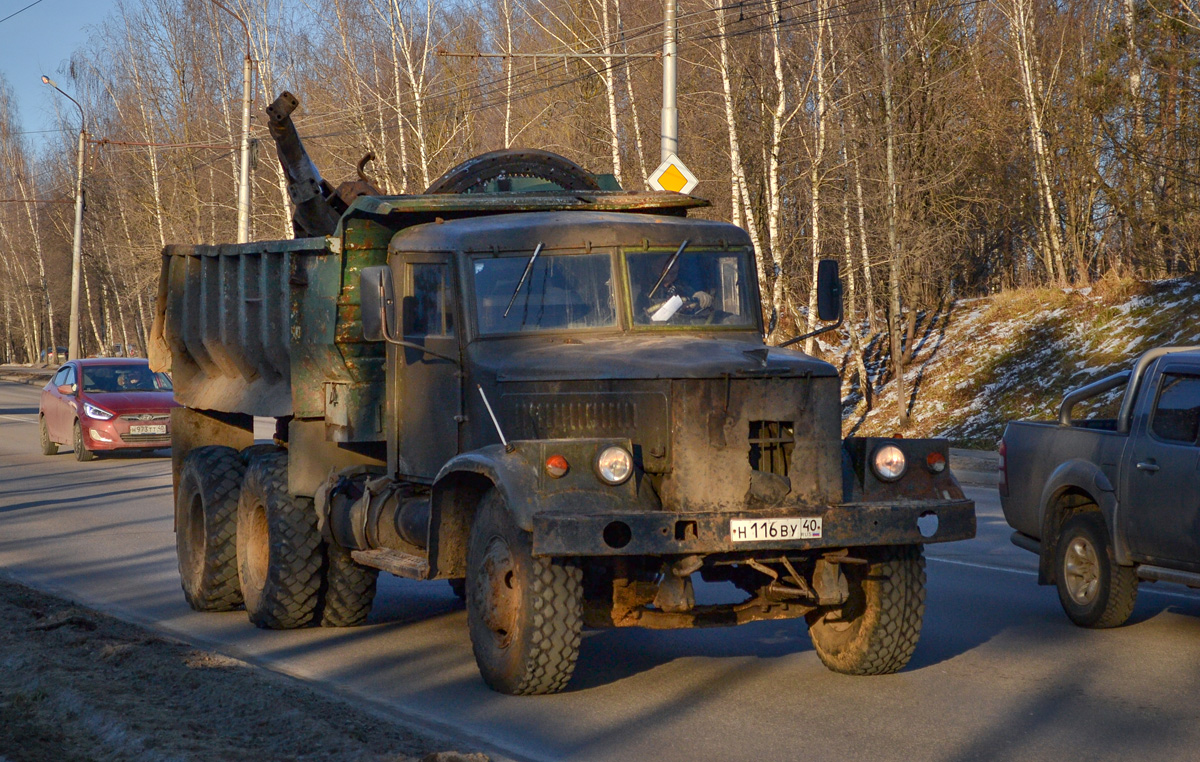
<point>673,175</point>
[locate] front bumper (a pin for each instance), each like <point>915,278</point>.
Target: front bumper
<point>661,533</point>
<point>114,435</point>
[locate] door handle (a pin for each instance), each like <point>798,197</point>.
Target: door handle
<point>1148,466</point>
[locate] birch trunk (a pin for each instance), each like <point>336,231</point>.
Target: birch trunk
<point>815,175</point>
<point>637,127</point>
<point>773,185</point>
<point>892,222</point>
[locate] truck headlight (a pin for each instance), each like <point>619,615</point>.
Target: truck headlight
<point>614,465</point>
<point>91,411</point>
<point>889,463</point>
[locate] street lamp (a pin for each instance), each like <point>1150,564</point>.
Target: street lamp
<point>77,248</point>
<point>243,234</point>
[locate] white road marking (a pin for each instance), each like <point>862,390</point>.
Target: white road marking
<point>1028,573</point>
<point>19,420</point>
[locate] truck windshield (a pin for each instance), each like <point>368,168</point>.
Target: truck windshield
<point>702,288</point>
<point>562,292</point>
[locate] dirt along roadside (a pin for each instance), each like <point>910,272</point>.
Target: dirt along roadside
<point>79,685</point>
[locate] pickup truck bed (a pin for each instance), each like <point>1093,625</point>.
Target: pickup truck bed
<point>1137,476</point>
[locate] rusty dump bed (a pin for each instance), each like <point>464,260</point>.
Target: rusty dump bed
<point>273,328</point>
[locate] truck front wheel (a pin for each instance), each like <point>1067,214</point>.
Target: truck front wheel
<point>525,613</point>
<point>206,509</point>
<point>876,630</point>
<point>1094,590</point>
<point>279,550</point>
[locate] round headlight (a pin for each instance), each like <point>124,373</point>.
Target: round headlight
<point>889,463</point>
<point>614,465</point>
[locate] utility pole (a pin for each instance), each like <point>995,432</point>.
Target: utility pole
<point>77,246</point>
<point>670,114</point>
<point>243,203</point>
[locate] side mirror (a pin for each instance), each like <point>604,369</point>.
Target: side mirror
<point>66,389</point>
<point>378,302</point>
<point>829,290</point>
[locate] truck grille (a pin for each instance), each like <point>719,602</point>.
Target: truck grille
<point>578,418</point>
<point>771,445</point>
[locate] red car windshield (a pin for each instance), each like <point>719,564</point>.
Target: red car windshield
<point>101,379</point>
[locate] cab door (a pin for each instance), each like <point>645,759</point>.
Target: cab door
<point>429,385</point>
<point>1162,468</point>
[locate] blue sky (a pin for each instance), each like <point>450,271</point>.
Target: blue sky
<point>38,41</point>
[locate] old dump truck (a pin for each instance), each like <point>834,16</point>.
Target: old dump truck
<point>554,396</point>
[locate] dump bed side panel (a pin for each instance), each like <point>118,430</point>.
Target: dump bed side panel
<point>271,329</point>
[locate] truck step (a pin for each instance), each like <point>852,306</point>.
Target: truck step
<point>393,562</point>
<point>1162,574</point>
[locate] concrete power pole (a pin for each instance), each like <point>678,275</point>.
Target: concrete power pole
<point>670,114</point>
<point>77,249</point>
<point>243,209</point>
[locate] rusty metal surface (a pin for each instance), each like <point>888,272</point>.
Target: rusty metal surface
<point>450,206</point>
<point>918,482</point>
<point>662,533</point>
<point>712,421</point>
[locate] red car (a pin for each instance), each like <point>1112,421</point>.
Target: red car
<point>101,404</point>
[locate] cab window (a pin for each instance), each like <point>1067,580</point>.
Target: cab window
<point>427,308</point>
<point>1177,413</point>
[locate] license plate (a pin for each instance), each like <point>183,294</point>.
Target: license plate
<point>760,530</point>
<point>144,429</point>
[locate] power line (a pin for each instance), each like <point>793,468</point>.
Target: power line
<point>14,13</point>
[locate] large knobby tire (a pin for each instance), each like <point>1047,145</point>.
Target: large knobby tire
<point>49,447</point>
<point>473,173</point>
<point>206,509</point>
<point>349,589</point>
<point>1093,589</point>
<point>82,453</point>
<point>279,550</point>
<point>876,631</point>
<point>525,614</point>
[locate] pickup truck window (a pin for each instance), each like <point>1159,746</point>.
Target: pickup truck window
<point>562,292</point>
<point>1177,414</point>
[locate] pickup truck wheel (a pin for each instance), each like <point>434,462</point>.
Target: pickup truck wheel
<point>349,589</point>
<point>525,614</point>
<point>48,447</point>
<point>1094,590</point>
<point>82,453</point>
<point>206,508</point>
<point>876,631</point>
<point>279,549</point>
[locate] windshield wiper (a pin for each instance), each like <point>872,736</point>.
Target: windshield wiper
<point>528,267</point>
<point>666,268</point>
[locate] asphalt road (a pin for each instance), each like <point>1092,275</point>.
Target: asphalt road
<point>999,674</point>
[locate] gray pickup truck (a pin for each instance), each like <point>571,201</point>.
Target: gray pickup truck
<point>1109,502</point>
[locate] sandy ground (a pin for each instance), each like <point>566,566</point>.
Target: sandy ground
<point>79,685</point>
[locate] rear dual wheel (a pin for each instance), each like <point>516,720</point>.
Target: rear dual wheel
<point>206,508</point>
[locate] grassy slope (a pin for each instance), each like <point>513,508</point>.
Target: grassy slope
<point>1012,356</point>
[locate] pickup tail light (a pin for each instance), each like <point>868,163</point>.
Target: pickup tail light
<point>1003,469</point>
